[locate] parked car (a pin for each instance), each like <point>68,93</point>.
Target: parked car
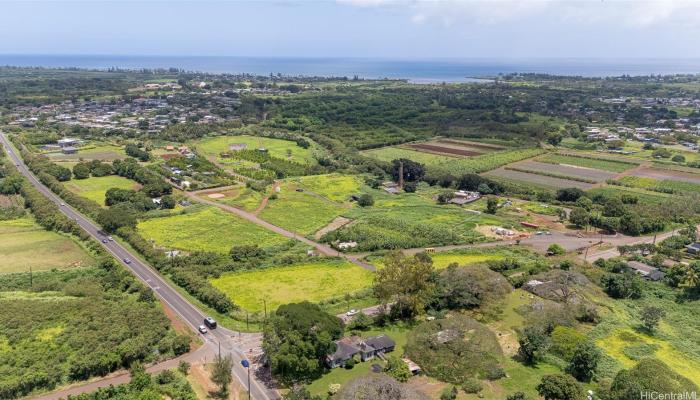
<point>352,312</point>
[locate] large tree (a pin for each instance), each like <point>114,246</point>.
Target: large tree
<point>412,171</point>
<point>407,282</point>
<point>560,387</point>
<point>297,339</point>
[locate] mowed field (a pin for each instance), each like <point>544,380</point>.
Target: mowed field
<point>335,187</point>
<point>239,196</point>
<point>564,170</point>
<point>285,149</point>
<point>281,285</point>
<point>206,229</point>
<point>94,188</point>
<point>668,174</point>
<point>24,244</point>
<point>393,153</point>
<point>434,151</point>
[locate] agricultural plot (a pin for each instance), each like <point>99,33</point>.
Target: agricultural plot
<point>240,196</point>
<point>410,220</point>
<point>585,161</point>
<point>644,196</point>
<point>548,182</point>
<point>656,185</point>
<point>206,229</point>
<point>300,212</point>
<point>584,174</point>
<point>102,152</point>
<point>24,245</point>
<point>284,149</point>
<point>94,188</point>
<point>388,154</point>
<point>484,162</point>
<point>335,187</point>
<point>667,174</point>
<point>281,285</point>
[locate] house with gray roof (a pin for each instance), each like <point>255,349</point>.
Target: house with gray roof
<point>366,349</point>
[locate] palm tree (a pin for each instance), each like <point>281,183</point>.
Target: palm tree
<point>692,277</point>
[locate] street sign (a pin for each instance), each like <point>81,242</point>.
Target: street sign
<point>245,363</point>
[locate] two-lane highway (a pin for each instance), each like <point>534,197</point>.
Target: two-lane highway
<point>188,312</point>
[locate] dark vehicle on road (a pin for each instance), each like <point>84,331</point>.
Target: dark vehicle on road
<point>210,322</point>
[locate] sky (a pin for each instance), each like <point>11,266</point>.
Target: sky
<point>398,29</point>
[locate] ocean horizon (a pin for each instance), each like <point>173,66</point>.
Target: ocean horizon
<point>423,70</point>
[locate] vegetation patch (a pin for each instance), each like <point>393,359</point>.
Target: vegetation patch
<point>94,188</point>
<point>582,160</point>
<point>336,187</point>
<point>388,154</point>
<point>279,148</point>
<point>25,245</point>
<point>206,229</point>
<point>281,285</point>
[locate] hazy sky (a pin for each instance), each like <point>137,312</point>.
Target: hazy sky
<point>355,28</point>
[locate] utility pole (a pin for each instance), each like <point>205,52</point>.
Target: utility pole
<point>247,326</point>
<point>265,307</point>
<point>31,278</point>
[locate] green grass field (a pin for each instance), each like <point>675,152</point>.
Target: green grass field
<point>334,187</point>
<point>605,165</point>
<point>206,229</point>
<point>665,185</point>
<point>392,153</point>
<point>94,188</point>
<point>299,211</point>
<point>241,197</point>
<point>276,147</point>
<point>282,285</point>
<point>24,244</point>
<point>644,196</point>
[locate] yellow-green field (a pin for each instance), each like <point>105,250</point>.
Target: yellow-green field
<point>206,229</point>
<point>442,260</point>
<point>282,285</point>
<point>239,196</point>
<point>95,188</point>
<point>334,187</point>
<point>300,211</point>
<point>389,154</point>
<point>285,149</point>
<point>24,244</point>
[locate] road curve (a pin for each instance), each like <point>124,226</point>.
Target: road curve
<point>188,312</point>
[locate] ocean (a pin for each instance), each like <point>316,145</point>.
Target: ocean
<point>421,71</point>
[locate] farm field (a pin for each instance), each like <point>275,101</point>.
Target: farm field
<point>206,229</point>
<point>587,173</point>
<point>586,162</point>
<point>537,180</point>
<point>300,212</point>
<point>240,196</point>
<point>643,195</point>
<point>667,174</point>
<point>388,154</point>
<point>94,188</point>
<point>284,149</point>
<point>409,220</point>
<point>102,152</point>
<point>665,186</point>
<point>24,244</point>
<point>335,187</point>
<point>485,162</point>
<point>312,281</point>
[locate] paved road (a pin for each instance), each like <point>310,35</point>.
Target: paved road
<point>322,248</point>
<point>188,312</point>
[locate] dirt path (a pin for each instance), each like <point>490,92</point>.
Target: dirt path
<point>266,199</point>
<point>322,248</point>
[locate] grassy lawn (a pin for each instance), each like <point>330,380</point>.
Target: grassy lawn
<point>335,187</point>
<point>284,149</point>
<point>206,229</point>
<point>389,154</point>
<point>24,244</point>
<point>281,285</point>
<point>644,196</point>
<point>95,188</point>
<point>299,211</point>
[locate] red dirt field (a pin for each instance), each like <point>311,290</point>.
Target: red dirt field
<point>443,150</point>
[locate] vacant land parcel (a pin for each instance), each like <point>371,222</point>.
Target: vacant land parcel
<point>25,245</point>
<point>284,149</point>
<point>281,285</point>
<point>95,188</point>
<point>206,229</point>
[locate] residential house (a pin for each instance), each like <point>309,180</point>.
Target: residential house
<point>646,271</point>
<point>366,349</point>
<point>462,197</point>
<point>693,248</point>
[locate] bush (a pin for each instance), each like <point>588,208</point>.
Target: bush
<point>350,364</point>
<point>565,340</point>
<point>560,387</point>
<point>181,344</point>
<point>397,369</point>
<point>555,249</point>
<point>471,386</point>
<point>366,200</point>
